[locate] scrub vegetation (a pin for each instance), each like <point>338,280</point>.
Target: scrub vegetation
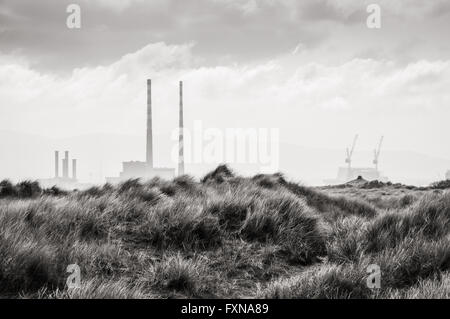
<point>224,236</point>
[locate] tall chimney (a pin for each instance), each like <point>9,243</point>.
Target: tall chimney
<point>180,141</point>
<point>66,165</point>
<point>74,169</point>
<point>149,157</point>
<point>56,164</point>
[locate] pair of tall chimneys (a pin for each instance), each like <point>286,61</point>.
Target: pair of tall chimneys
<point>65,166</point>
<point>149,151</point>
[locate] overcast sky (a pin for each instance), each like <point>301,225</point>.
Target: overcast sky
<point>311,68</point>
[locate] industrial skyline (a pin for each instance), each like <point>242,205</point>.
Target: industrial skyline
<point>147,169</point>
<point>316,72</point>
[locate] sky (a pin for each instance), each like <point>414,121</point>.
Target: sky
<point>310,68</point>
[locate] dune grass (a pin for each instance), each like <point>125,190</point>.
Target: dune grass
<point>223,236</point>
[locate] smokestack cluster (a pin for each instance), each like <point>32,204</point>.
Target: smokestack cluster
<point>65,166</point>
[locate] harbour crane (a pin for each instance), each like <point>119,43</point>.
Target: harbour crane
<point>376,153</point>
<point>348,159</point>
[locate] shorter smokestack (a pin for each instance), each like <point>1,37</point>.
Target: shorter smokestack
<point>56,164</point>
<point>180,141</point>
<point>74,169</point>
<point>66,165</point>
<point>149,149</point>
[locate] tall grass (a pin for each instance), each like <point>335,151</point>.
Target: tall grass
<point>222,236</point>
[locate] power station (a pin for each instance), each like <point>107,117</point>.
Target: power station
<point>63,179</point>
<point>147,170</point>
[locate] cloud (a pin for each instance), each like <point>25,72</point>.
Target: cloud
<point>302,99</point>
<point>237,31</point>
<point>118,5</point>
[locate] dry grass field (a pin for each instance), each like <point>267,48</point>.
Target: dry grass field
<point>225,236</point>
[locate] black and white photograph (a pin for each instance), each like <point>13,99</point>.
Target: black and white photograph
<point>211,150</point>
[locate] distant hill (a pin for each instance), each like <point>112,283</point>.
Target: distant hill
<point>100,155</point>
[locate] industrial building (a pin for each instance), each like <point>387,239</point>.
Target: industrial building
<point>147,170</point>
<point>349,173</point>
